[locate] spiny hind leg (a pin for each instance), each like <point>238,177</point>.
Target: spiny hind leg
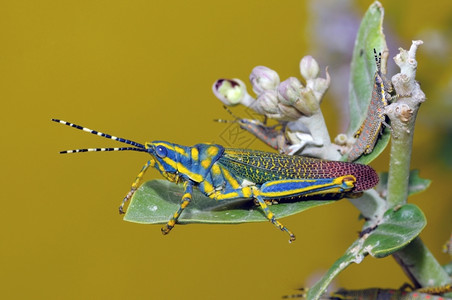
<point>134,186</point>
<point>271,217</point>
<point>186,199</point>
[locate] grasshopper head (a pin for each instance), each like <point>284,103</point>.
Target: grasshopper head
<point>168,158</point>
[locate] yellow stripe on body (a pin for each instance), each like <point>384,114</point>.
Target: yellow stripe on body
<point>205,163</point>
<point>194,154</point>
<point>169,176</point>
<point>164,145</point>
<point>160,166</point>
<point>221,196</point>
<point>275,182</point>
<point>180,150</point>
<point>231,180</point>
<point>383,94</point>
<point>349,180</point>
<point>208,188</point>
<point>247,192</point>
<point>216,170</point>
<point>194,176</point>
<point>212,151</point>
<point>182,169</point>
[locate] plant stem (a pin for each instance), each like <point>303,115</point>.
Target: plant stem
<point>415,259</point>
<point>421,266</point>
<point>403,116</point>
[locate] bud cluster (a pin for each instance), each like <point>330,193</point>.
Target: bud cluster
<point>294,105</point>
<point>284,101</point>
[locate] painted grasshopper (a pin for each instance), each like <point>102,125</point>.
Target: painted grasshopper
<point>390,294</point>
<point>367,135</point>
<point>406,292</point>
<point>225,174</point>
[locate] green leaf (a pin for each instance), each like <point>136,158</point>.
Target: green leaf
<point>397,229</point>
<point>416,184</point>
<point>370,36</point>
<point>157,200</point>
<point>316,291</point>
<point>448,268</point>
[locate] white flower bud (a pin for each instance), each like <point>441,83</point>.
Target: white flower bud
<point>289,113</point>
<point>321,85</point>
<point>309,68</point>
<point>267,103</point>
<point>263,78</point>
<point>308,103</point>
<point>341,139</point>
<point>229,91</point>
<point>289,91</point>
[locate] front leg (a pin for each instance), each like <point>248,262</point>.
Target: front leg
<point>186,199</point>
<point>135,185</point>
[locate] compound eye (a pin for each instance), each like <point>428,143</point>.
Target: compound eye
<point>161,151</point>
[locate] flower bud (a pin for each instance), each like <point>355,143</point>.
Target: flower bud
<point>289,113</point>
<point>309,68</point>
<point>308,103</point>
<point>321,85</point>
<point>341,139</point>
<point>267,103</point>
<point>263,78</point>
<point>229,91</point>
<point>289,91</point>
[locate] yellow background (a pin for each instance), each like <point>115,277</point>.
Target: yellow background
<point>143,70</point>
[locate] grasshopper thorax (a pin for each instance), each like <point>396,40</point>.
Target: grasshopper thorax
<point>177,162</point>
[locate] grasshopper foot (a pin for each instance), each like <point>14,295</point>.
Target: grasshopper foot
<point>292,237</point>
<point>166,229</point>
<point>126,198</point>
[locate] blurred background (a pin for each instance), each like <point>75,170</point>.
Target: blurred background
<point>143,70</point>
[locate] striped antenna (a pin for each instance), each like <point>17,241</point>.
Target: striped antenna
<point>138,146</point>
<point>378,60</point>
<point>104,149</point>
<point>237,119</point>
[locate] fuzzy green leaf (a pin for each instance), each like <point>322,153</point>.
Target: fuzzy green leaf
<point>316,291</point>
<point>448,268</point>
<point>396,230</point>
<point>370,36</point>
<point>416,184</point>
<point>157,200</point>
